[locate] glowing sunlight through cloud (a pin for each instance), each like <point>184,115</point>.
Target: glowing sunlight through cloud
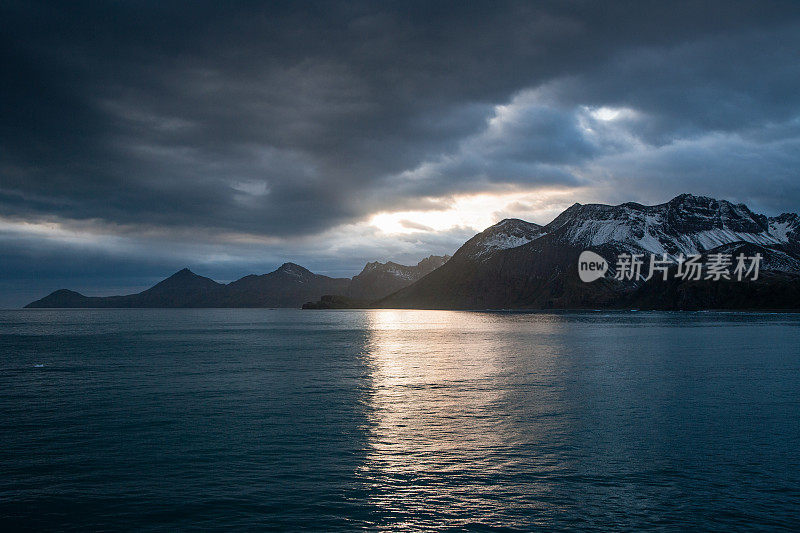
<point>476,211</point>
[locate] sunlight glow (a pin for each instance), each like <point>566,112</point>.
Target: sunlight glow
<point>476,211</point>
<point>607,114</point>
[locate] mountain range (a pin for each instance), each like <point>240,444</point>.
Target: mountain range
<point>289,286</point>
<point>518,264</point>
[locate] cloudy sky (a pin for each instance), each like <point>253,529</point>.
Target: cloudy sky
<point>137,138</point>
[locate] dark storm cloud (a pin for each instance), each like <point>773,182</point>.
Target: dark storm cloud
<point>172,113</point>
<point>286,119</point>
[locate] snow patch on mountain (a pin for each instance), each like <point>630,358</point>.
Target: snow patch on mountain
<point>295,271</point>
<point>402,273</point>
<point>508,233</point>
<point>780,230</point>
<point>501,242</point>
<point>686,225</point>
<point>785,227</point>
<point>713,238</point>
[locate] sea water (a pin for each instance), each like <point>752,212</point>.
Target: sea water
<point>380,419</point>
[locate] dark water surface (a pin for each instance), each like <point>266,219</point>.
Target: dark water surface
<point>341,420</point>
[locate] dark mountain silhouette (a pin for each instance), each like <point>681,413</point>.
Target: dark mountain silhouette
<point>377,280</point>
<point>778,286</point>
<point>289,286</point>
<point>182,289</point>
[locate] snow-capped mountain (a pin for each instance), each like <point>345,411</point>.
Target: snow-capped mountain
<point>508,233</point>
<point>540,269</point>
<point>685,225</point>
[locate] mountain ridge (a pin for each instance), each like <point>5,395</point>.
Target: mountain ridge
<point>289,285</point>
<point>542,273</point>
<point>520,264</point>
<point>377,280</point>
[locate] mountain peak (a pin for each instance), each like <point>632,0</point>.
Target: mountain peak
<point>377,279</point>
<point>293,269</point>
<point>508,233</point>
<point>182,275</point>
<point>511,222</point>
<point>183,280</point>
<point>433,261</point>
<point>787,217</point>
<point>60,298</point>
<point>688,196</point>
<point>692,201</point>
<point>685,224</point>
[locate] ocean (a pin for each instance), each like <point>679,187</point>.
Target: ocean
<point>240,419</point>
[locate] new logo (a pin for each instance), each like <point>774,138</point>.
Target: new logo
<point>591,266</point>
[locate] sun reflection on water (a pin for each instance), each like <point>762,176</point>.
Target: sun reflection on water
<point>451,404</point>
